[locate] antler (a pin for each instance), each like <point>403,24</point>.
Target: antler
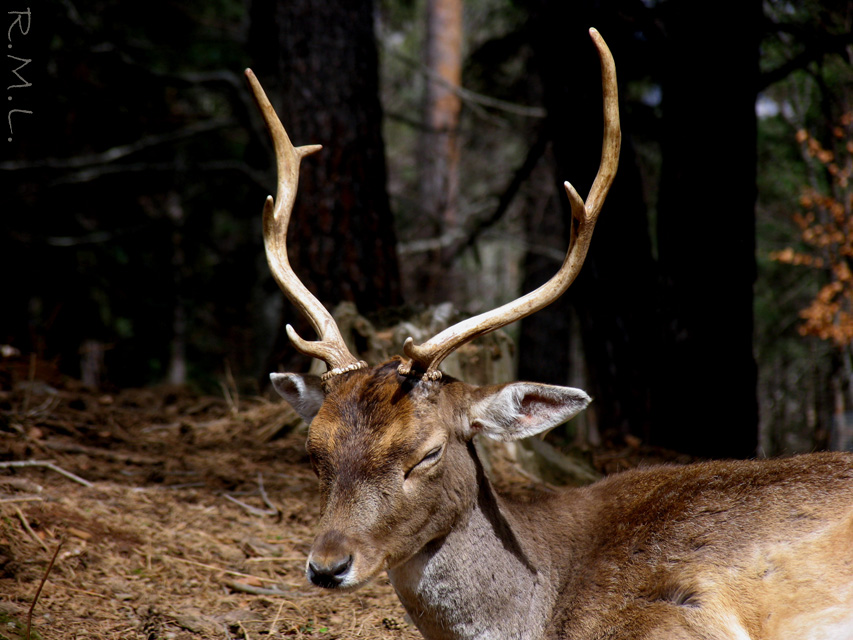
<point>428,356</point>
<point>331,347</point>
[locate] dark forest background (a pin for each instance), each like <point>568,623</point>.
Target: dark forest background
<point>135,167</point>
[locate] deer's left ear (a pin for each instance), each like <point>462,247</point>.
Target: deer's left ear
<point>522,409</point>
<point>303,392</point>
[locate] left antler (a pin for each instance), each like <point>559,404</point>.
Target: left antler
<point>428,356</point>
<point>331,347</point>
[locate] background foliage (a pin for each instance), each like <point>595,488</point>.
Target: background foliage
<point>131,242</point>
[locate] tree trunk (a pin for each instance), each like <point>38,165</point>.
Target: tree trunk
<point>323,62</point>
<point>439,158</point>
<point>614,294</point>
<point>706,229</point>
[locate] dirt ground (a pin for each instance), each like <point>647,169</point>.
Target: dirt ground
<point>186,517</point>
<point>154,546</point>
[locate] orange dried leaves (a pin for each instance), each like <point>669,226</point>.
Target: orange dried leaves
<point>826,226</point>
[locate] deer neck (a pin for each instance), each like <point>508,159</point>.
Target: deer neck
<point>479,581</point>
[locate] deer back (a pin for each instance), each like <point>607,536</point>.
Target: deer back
<point>739,549</point>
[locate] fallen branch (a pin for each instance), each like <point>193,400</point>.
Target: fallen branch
<point>215,568</point>
<point>255,591</point>
<point>249,508</point>
<point>48,464</point>
<point>21,499</point>
<point>271,510</point>
<point>25,523</point>
<point>88,593</point>
<point>96,452</point>
<point>273,627</point>
<point>277,559</point>
<point>265,497</point>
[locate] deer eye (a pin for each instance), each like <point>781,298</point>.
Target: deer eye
<point>432,456</point>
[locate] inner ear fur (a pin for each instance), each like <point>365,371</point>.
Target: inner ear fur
<point>522,409</point>
<point>303,392</point>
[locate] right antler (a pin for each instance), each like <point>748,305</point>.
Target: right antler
<point>331,347</point>
<point>428,356</point>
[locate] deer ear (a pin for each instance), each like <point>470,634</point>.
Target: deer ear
<point>303,392</point>
<point>522,409</point>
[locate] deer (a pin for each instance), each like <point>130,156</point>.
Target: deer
<point>734,550</point>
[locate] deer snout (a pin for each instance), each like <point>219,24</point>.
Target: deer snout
<point>330,564</point>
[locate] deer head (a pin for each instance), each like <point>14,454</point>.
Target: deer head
<point>391,445</point>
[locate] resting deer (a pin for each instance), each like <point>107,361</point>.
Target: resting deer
<point>719,550</point>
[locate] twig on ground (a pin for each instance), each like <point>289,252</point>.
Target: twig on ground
<point>23,485</point>
<point>271,511</point>
<point>163,427</point>
<point>21,499</point>
<point>29,529</point>
<point>273,630</point>
<point>264,495</point>
<point>97,452</point>
<point>249,508</point>
<point>255,591</point>
<point>41,584</point>
<point>49,464</point>
<point>215,568</point>
<point>209,424</point>
<point>277,559</point>
<point>41,411</point>
<point>88,593</point>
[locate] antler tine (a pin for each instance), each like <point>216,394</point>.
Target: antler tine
<point>428,356</point>
<point>331,347</point>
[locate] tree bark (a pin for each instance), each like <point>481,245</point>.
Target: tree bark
<point>614,294</point>
<point>341,241</point>
<point>439,158</point>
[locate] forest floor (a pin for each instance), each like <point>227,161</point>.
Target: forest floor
<point>184,517</point>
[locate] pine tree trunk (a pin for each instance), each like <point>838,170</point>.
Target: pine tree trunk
<point>439,157</point>
<point>320,61</point>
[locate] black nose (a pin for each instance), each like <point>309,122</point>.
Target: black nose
<point>329,574</point>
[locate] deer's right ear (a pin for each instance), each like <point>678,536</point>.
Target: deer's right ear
<point>303,392</point>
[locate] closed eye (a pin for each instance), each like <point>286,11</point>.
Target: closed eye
<point>434,454</point>
<point>428,460</point>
